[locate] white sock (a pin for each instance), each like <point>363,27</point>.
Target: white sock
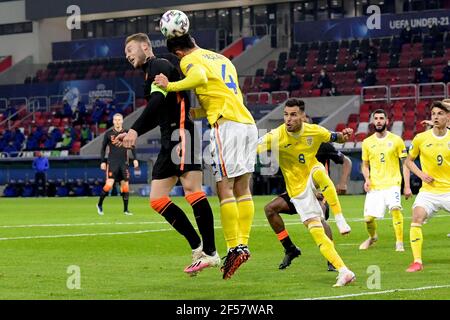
<point>339,217</point>
<point>343,269</point>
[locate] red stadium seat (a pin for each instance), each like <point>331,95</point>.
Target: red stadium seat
<point>408,135</point>
<point>364,116</point>
<point>340,127</point>
<point>359,137</point>
<point>264,98</point>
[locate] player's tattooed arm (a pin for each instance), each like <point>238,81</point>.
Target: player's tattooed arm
<point>415,169</point>
<point>406,177</point>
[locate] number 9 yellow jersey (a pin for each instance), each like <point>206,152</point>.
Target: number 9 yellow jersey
<point>220,96</point>
<point>434,153</point>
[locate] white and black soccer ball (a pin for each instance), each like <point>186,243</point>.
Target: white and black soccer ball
<point>174,23</point>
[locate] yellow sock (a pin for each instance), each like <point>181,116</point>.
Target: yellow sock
<point>371,226</point>
<point>325,245</point>
<point>416,240</point>
<point>397,222</point>
<point>229,216</point>
<point>246,209</point>
<point>328,190</point>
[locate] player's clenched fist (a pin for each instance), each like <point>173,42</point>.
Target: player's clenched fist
<point>161,81</point>
<point>347,133</point>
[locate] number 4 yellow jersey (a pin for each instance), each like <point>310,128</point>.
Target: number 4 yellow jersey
<point>220,96</point>
<point>383,156</point>
<point>296,153</point>
<point>434,155</point>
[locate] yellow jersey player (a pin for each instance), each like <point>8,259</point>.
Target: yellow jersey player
<point>233,138</point>
<point>294,145</point>
<point>433,148</point>
<point>282,203</point>
<point>380,166</point>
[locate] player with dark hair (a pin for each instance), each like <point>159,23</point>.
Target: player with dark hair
<point>116,166</point>
<point>294,145</point>
<point>178,159</point>
<point>233,138</point>
<point>282,203</point>
<point>381,155</point>
<point>433,148</point>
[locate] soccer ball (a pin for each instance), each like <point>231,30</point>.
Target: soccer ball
<point>174,23</point>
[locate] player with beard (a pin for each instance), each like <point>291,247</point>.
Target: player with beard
<point>433,148</point>
<point>380,166</point>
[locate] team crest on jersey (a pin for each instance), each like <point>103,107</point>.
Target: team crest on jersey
<point>389,144</point>
<point>309,141</point>
<point>448,145</point>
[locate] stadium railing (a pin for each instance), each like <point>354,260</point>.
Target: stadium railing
<point>404,92</point>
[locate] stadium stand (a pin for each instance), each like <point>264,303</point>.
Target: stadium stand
<point>392,61</point>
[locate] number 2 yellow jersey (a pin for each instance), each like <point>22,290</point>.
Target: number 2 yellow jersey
<point>296,153</point>
<point>220,96</point>
<point>434,153</point>
<point>383,156</point>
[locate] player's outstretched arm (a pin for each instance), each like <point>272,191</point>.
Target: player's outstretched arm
<point>341,137</point>
<point>195,77</point>
<point>147,121</point>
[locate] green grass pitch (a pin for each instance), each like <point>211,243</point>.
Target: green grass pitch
<point>141,257</point>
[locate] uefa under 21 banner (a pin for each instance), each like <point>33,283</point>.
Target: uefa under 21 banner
<point>114,47</point>
<point>348,28</point>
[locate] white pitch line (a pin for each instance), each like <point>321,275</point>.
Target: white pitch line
<point>127,232</point>
<point>378,292</point>
<point>83,235</point>
<point>100,234</point>
<point>161,222</point>
<point>80,224</point>
<point>91,224</point>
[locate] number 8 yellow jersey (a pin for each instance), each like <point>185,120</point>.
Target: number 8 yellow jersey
<point>434,155</point>
<point>296,153</point>
<point>220,96</point>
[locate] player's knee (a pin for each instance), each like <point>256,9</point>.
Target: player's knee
<point>369,219</point>
<point>108,185</point>
<point>160,204</point>
<point>313,223</point>
<point>270,211</point>
<point>125,188</point>
<point>418,217</point>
